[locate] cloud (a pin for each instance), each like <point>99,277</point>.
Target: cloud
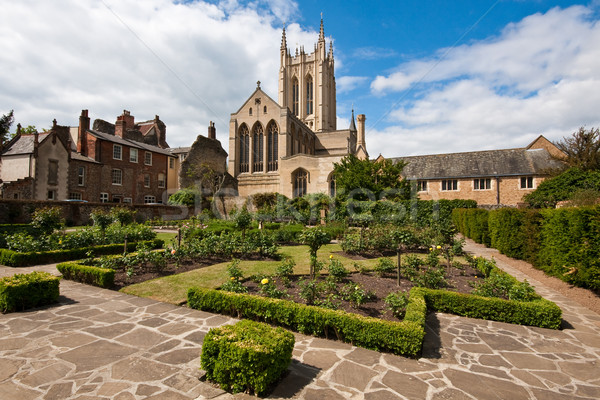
<point>190,62</point>
<point>541,75</point>
<point>349,83</point>
<point>373,53</point>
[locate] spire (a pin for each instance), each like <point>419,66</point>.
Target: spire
<point>321,31</point>
<point>352,124</point>
<point>283,40</point>
<point>330,49</point>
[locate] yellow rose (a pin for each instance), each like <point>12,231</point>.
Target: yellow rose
<point>264,281</point>
<point>232,278</point>
<point>331,256</point>
<point>439,247</point>
<point>431,249</point>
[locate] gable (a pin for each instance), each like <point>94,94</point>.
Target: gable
<point>257,101</point>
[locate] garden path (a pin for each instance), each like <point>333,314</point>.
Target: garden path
<point>101,344</point>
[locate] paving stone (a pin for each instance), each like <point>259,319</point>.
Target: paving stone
<point>382,395</point>
<point>137,369</point>
<point>182,356</point>
<point>406,385</point>
<point>196,337</point>
<point>474,348</point>
<point>498,373</point>
<point>110,389</point>
<point>364,356</point>
<point>217,320</point>
<point>593,392</point>
<point>59,391</point>
<point>166,346</point>
<point>322,394</point>
<point>72,340</point>
<point>40,333</point>
<point>176,329</point>
<point>548,377</point>
<point>584,371</point>
<point>588,339</point>
<point>408,365</point>
<point>142,338</point>
<point>541,394</point>
<point>9,368</point>
<point>21,325</point>
<point>485,387</point>
<point>11,391</point>
<point>111,331</point>
<point>13,343</point>
<point>96,354</point>
<point>124,396</point>
<point>503,343</point>
<point>153,322</point>
<point>450,394</point>
<point>529,361</point>
<point>493,361</point>
<point>322,359</point>
<point>319,343</point>
<point>352,375</point>
<point>146,390</point>
<point>48,374</point>
<point>168,395</point>
<point>527,377</point>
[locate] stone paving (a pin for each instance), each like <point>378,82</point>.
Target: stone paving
<point>100,344</point>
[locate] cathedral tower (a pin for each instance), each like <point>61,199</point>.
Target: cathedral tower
<point>307,84</point>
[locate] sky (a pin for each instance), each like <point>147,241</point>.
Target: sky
<point>431,76</point>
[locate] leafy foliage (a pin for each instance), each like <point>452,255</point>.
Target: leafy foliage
<point>184,197</point>
<point>5,122</point>
<point>563,187</point>
<point>582,149</point>
<point>47,219</point>
<point>22,291</point>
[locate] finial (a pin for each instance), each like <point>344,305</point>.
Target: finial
<point>258,84</point>
<point>54,123</point>
<point>283,39</point>
<point>321,30</point>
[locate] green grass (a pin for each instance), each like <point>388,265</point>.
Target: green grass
<point>166,237</point>
<point>173,289</point>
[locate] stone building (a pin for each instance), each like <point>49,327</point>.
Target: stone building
<point>492,177</point>
<point>289,146</point>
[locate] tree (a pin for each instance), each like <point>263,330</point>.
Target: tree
<point>364,178</point>
<point>314,238</point>
<point>582,149</point>
<point>28,130</point>
<point>572,183</point>
<point>5,122</point>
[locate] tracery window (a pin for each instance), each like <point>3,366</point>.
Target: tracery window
<point>257,151</point>
<point>309,95</point>
<point>300,180</point>
<point>272,145</point>
<point>244,146</point>
<point>295,97</point>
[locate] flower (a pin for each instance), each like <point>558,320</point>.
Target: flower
<point>331,256</point>
<point>232,278</point>
<point>431,249</point>
<point>357,287</point>
<point>438,247</point>
<point>173,251</point>
<point>264,281</point>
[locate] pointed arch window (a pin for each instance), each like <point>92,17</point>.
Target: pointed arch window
<point>272,145</point>
<point>295,97</point>
<point>244,147</point>
<point>309,95</point>
<point>331,182</point>
<point>257,151</point>
<point>300,181</point>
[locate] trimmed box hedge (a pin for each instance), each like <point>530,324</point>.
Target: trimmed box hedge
<point>22,291</point>
<point>248,356</point>
<point>102,277</point>
<point>405,337</point>
<point>12,258</point>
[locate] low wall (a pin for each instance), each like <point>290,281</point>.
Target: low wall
<point>78,213</point>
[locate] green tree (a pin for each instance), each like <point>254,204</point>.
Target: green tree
<point>582,149</point>
<point>314,238</point>
<point>47,219</point>
<point>363,179</point>
<point>28,130</point>
<point>569,184</point>
<point>5,122</point>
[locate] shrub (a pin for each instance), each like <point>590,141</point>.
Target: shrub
<point>22,291</point>
<point>285,270</point>
<point>314,238</point>
<point>336,270</point>
<point>248,356</point>
<point>102,277</point>
<point>397,303</point>
<point>385,266</point>
<point>122,215</point>
<point>47,219</point>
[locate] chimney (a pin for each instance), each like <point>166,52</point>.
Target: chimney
<point>84,126</point>
<point>360,136</point>
<point>124,121</point>
<point>212,131</point>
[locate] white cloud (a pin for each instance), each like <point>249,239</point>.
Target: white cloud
<point>349,83</point>
<point>540,76</point>
<point>188,62</point>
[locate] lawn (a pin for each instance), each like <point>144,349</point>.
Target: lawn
<point>173,289</point>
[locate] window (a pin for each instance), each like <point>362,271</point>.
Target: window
<point>265,109</point>
<point>147,158</point>
<point>482,184</point>
<point>147,180</point>
<point>52,173</point>
<point>449,184</point>
<point>75,196</point>
<point>161,180</point>
<point>257,151</point>
<point>103,197</point>
<point>421,186</point>
<point>171,163</point>
<point>244,146</point>
<point>295,97</point>
<point>117,198</point>
<point>183,156</point>
<point>149,199</point>
<point>527,182</point>
<point>81,176</point>
<point>300,179</point>
<point>127,200</point>
<point>309,95</point>
<point>117,177</point>
<point>117,152</point>
<point>332,185</point>
<point>272,138</point>
<point>133,155</point>
<point>250,111</point>
<point>16,196</point>
<point>51,194</point>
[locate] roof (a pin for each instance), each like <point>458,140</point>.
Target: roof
<point>179,150</point>
<point>80,157</point>
<point>131,143</point>
<point>509,162</point>
<point>24,144</point>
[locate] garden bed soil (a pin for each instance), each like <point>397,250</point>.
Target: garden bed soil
<point>459,280</point>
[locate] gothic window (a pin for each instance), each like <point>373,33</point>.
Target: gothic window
<point>295,97</point>
<point>331,181</point>
<point>244,147</point>
<point>300,181</point>
<point>250,111</point>
<point>272,133</point>
<point>309,95</point>
<point>257,151</point>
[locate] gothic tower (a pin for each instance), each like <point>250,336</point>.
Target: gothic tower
<point>307,84</point>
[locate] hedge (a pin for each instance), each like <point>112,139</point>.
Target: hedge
<point>102,277</point>
<point>12,258</point>
<point>563,242</point>
<point>22,291</point>
<point>404,337</point>
<point>248,356</point>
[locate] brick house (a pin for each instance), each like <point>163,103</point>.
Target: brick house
<point>491,177</point>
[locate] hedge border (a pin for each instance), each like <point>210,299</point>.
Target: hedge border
<point>12,258</point>
<point>401,338</point>
<point>22,291</point>
<point>101,277</point>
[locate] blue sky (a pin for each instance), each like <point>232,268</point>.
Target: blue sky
<point>431,76</point>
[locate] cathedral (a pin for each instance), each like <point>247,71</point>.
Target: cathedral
<point>289,146</point>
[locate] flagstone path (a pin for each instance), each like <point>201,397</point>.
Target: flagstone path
<point>101,344</point>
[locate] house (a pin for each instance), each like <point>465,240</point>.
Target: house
<point>290,145</point>
<point>491,177</point>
